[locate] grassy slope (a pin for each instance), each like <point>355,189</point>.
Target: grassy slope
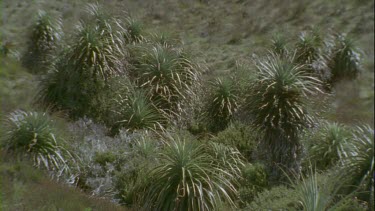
<point>218,33</point>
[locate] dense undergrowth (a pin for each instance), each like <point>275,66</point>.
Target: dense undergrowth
<point>164,109</point>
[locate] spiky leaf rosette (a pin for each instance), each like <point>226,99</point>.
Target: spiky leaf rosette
<point>324,149</point>
<point>134,31</point>
<point>277,105</point>
<point>344,59</point>
<point>279,44</point>
<point>45,37</point>
<point>63,88</point>
<point>98,51</point>
<point>308,48</point>
<point>188,179</point>
<point>135,111</point>
<point>166,73</point>
<point>358,159</point>
<point>32,133</point>
<point>222,103</point>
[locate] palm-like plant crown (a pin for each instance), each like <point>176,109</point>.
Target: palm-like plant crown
<point>166,73</point>
<point>308,48</point>
<point>325,147</point>
<point>136,111</point>
<point>222,103</point>
<point>344,61</point>
<point>277,106</point>
<point>188,178</point>
<point>359,158</point>
<point>32,133</point>
<point>277,99</point>
<point>97,51</point>
<point>45,36</point>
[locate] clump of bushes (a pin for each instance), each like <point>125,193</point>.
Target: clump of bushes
<point>276,198</point>
<point>254,180</point>
<point>241,137</point>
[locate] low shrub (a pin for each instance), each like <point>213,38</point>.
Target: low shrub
<point>277,198</point>
<point>254,180</point>
<point>241,137</point>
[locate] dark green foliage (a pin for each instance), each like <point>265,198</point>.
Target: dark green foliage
<point>344,59</point>
<point>239,136</point>
<point>33,133</point>
<point>135,111</point>
<point>324,148</point>
<point>98,51</point>
<point>254,180</point>
<point>44,40</point>
<point>277,107</point>
<point>222,103</point>
<point>68,90</point>
<point>277,198</point>
<point>5,48</point>
<point>81,72</point>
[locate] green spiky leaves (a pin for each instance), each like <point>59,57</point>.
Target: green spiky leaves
<point>136,111</point>
<point>45,37</point>
<point>166,73</point>
<point>222,104</point>
<point>190,178</point>
<point>32,133</point>
<point>277,99</point>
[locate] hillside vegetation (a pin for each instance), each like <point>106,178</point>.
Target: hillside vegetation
<point>187,105</point>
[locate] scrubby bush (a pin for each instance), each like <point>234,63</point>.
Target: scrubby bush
<point>278,108</point>
<point>33,134</point>
<point>44,40</point>
<point>277,198</point>
<point>239,136</point>
<point>254,180</point>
